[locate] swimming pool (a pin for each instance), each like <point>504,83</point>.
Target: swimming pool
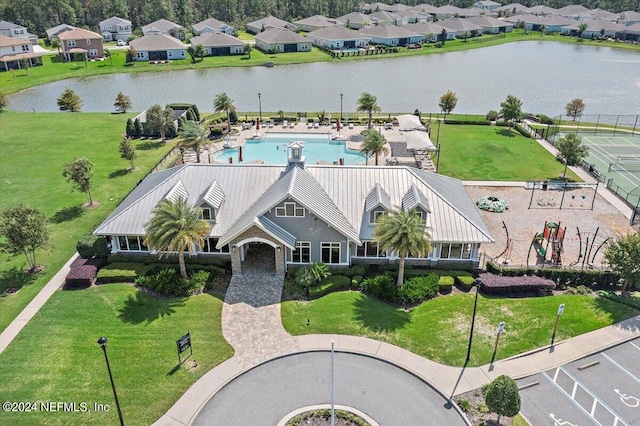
<point>273,150</point>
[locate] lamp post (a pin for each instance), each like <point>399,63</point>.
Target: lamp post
<point>341,95</point>
<point>478,284</point>
<point>103,344</point>
<point>260,105</point>
<point>438,145</point>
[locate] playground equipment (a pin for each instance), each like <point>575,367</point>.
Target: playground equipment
<point>586,256</point>
<point>508,247</point>
<point>552,235</point>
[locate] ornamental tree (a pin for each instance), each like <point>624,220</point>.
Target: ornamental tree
<point>502,397</point>
<point>25,230</point>
<point>571,151</point>
<point>122,103</point>
<point>511,110</point>
<point>69,101</point>
<point>448,102</point>
<point>575,108</point>
<point>159,120</point>
<point>128,151</point>
<point>79,172</point>
<point>622,256</point>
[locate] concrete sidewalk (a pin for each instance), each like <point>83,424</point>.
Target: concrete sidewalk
<point>34,306</point>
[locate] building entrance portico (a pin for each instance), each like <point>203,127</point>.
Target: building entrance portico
<point>252,254</point>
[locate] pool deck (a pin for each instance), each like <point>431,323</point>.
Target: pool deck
<point>351,135</point>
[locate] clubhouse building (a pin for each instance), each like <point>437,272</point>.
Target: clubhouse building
<point>297,214</point>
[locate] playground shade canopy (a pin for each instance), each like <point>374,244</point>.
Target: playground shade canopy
<point>418,140</point>
<point>409,122</point>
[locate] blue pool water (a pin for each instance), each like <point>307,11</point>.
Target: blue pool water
<point>273,150</point>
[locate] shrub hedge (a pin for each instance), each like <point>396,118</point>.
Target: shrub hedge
<point>472,122</point>
<point>329,285</point>
<point>92,246</point>
<point>148,259</point>
<point>498,284</point>
<point>83,273</point>
<point>563,277</point>
<point>413,291</point>
<point>122,272</point>
<point>168,282</point>
<point>351,271</point>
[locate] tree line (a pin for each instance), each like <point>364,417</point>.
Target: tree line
<point>39,15</point>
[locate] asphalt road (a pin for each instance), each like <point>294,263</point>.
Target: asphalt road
<point>602,389</point>
<point>267,393</point>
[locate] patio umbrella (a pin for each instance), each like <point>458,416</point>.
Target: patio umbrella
<point>240,155</point>
<point>257,128</point>
<point>338,126</point>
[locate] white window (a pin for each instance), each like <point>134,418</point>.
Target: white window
<point>207,214</point>
<point>375,215</point>
<point>455,251</point>
<point>71,43</point>
<point>330,252</point>
<point>370,249</point>
<point>290,210</point>
<point>302,252</point>
<point>131,243</point>
<point>93,52</point>
<point>140,55</point>
<point>25,48</point>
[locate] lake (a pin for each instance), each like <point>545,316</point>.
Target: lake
<point>544,75</point>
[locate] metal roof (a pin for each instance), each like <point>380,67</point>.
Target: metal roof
<point>214,196</point>
<point>178,192</point>
<point>336,194</point>
<point>377,197</point>
<point>414,198</point>
<point>277,231</point>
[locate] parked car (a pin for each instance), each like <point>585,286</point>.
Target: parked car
<point>121,43</point>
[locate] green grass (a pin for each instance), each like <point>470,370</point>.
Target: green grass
<point>493,153</point>
<point>439,329</point>
<point>519,420</point>
<point>33,148</point>
<point>56,358</point>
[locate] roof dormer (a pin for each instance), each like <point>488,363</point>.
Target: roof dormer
<point>415,200</point>
<point>377,203</point>
<point>177,192</point>
<point>211,201</point>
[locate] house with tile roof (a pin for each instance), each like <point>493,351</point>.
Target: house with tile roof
<point>267,22</point>
<point>163,26</point>
<point>80,40</point>
<point>282,40</point>
<point>302,214</point>
<point>14,51</point>
<point>219,44</point>
<point>211,25</point>
<point>159,47</point>
<point>337,38</point>
<point>116,28</point>
<point>392,35</point>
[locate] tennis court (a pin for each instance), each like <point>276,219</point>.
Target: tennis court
<point>617,159</point>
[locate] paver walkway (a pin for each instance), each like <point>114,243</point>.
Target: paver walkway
<point>251,319</point>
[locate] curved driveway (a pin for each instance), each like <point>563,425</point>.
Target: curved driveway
<point>268,392</point>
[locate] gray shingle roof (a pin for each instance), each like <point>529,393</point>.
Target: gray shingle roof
<point>337,33</point>
<point>114,20</point>
<point>316,21</point>
<point>279,35</point>
<point>270,22</point>
<point>427,28</point>
<point>489,22</point>
<point>156,42</point>
<point>459,24</point>
<point>388,31</point>
<point>354,18</point>
<point>211,23</point>
<point>216,39</point>
<point>336,194</point>
<point>55,30</point>
<point>162,25</point>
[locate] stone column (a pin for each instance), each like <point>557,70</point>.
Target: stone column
<point>280,261</point>
<point>236,267</point>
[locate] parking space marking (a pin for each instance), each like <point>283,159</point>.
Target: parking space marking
<point>634,345</point>
<point>559,422</point>
<point>580,407</point>
<point>633,401</point>
<point>608,358</point>
<point>596,400</point>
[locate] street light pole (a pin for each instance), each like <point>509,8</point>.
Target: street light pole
<point>103,344</point>
<point>478,283</point>
<point>341,95</point>
<point>260,105</point>
<point>333,414</point>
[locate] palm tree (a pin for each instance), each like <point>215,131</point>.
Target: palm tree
<point>200,51</point>
<point>374,144</point>
<point>192,136</point>
<point>367,103</point>
<point>175,226</point>
<point>223,102</point>
<point>403,233</point>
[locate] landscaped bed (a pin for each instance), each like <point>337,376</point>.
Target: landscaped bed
<point>439,329</point>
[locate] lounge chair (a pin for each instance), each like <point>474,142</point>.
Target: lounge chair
<point>392,161</point>
<point>292,125</point>
<point>285,124</point>
<point>350,126</point>
<point>271,124</point>
<point>316,125</point>
<point>333,125</point>
<point>309,125</point>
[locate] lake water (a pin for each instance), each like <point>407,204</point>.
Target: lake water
<point>544,75</point>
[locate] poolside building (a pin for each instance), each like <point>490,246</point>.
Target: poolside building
<point>295,214</point>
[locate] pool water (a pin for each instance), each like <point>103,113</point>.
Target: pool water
<point>273,150</point>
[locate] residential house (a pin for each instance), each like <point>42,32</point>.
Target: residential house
<point>383,7</point>
<point>338,38</point>
<point>315,22</point>
<point>487,5</point>
<point>212,25</point>
<point>80,40</point>
<point>219,44</point>
<point>52,33</point>
<point>10,29</point>
<point>260,25</point>
<point>629,33</point>
<point>385,18</point>
<point>462,27</point>
<point>282,40</point>
<point>162,26</point>
<point>542,10</point>
<point>412,16</point>
<point>297,214</point>
<point>551,24</point>
<point>426,9</point>
<point>116,28</point>
<point>629,17</point>
<point>432,31</point>
<point>603,15</point>
<point>595,29</point>
<point>14,51</point>
<point>448,11</point>
<point>572,11</point>
<point>472,11</point>
<point>159,47</point>
<point>392,35</point>
<point>355,20</point>
<point>491,25</point>
<point>512,9</point>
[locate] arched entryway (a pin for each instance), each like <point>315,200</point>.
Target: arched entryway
<point>257,255</point>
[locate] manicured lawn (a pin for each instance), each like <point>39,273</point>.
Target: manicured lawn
<point>33,148</point>
<point>439,329</point>
<point>56,358</point>
<point>494,153</point>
